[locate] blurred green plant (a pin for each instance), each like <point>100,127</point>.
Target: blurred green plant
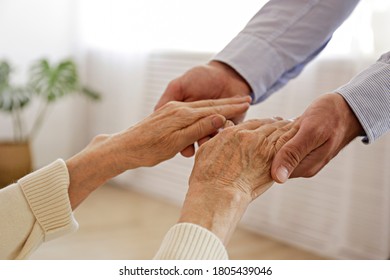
<point>47,82</point>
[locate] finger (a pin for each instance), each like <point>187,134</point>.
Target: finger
<point>188,151</point>
<point>288,132</point>
<point>291,154</point>
<point>254,124</point>
<point>274,130</point>
<point>203,140</point>
<point>201,128</point>
<point>228,123</point>
<point>218,102</point>
<point>227,110</point>
<point>313,162</point>
<point>239,119</point>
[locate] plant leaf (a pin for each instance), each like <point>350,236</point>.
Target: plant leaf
<point>53,82</point>
<point>91,93</point>
<point>11,97</point>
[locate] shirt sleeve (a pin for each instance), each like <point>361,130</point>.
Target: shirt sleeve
<point>368,95</point>
<point>34,210</point>
<point>186,241</point>
<point>281,39</point>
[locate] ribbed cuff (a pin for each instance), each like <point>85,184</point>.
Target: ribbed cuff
<point>187,241</point>
<point>46,191</point>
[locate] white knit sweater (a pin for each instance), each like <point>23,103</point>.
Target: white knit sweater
<point>37,209</point>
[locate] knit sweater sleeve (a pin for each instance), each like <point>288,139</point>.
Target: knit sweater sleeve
<point>34,210</point>
<point>185,241</point>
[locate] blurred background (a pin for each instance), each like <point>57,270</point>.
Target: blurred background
<point>129,50</point>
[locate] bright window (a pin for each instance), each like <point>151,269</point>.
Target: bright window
<point>208,25</point>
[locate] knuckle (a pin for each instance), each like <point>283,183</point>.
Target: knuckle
<point>244,136</point>
<point>171,104</point>
<point>185,111</point>
<point>227,132</point>
<point>99,138</point>
<point>211,103</point>
<point>241,135</point>
<point>254,121</point>
<point>180,111</point>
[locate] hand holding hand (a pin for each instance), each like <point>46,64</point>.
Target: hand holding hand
<point>230,171</point>
<point>158,137</point>
<point>326,127</point>
<point>174,126</point>
<point>212,81</point>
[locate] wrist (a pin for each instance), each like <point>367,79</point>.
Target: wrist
<point>236,81</point>
<point>219,211</point>
<point>123,149</point>
<point>91,168</point>
<point>352,126</point>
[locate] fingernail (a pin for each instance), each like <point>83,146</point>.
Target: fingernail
<point>218,121</point>
<point>282,174</point>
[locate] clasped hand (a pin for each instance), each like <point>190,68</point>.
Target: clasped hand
<point>231,170</point>
<point>167,131</point>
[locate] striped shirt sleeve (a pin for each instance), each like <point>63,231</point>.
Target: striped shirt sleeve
<point>281,39</point>
<point>368,95</point>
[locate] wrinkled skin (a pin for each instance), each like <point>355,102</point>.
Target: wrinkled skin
<point>230,171</point>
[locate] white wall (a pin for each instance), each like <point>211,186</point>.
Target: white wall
<point>341,213</point>
<point>30,30</point>
<point>196,25</point>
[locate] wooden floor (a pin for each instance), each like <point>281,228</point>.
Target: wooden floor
<point>117,223</point>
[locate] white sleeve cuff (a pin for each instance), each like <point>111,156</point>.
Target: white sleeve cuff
<point>46,191</point>
<point>185,241</point>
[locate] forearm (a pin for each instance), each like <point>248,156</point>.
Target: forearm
<point>281,39</point>
<point>218,212</point>
<point>368,95</point>
<point>96,164</point>
<point>39,207</point>
<point>205,226</point>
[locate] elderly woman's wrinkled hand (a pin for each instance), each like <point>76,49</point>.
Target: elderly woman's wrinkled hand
<point>240,157</point>
<point>230,171</point>
<point>175,126</point>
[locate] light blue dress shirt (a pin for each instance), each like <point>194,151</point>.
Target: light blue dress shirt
<point>285,35</point>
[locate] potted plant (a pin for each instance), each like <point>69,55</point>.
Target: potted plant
<point>48,83</point>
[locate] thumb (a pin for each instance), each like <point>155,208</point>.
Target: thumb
<point>203,127</point>
<point>289,157</point>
